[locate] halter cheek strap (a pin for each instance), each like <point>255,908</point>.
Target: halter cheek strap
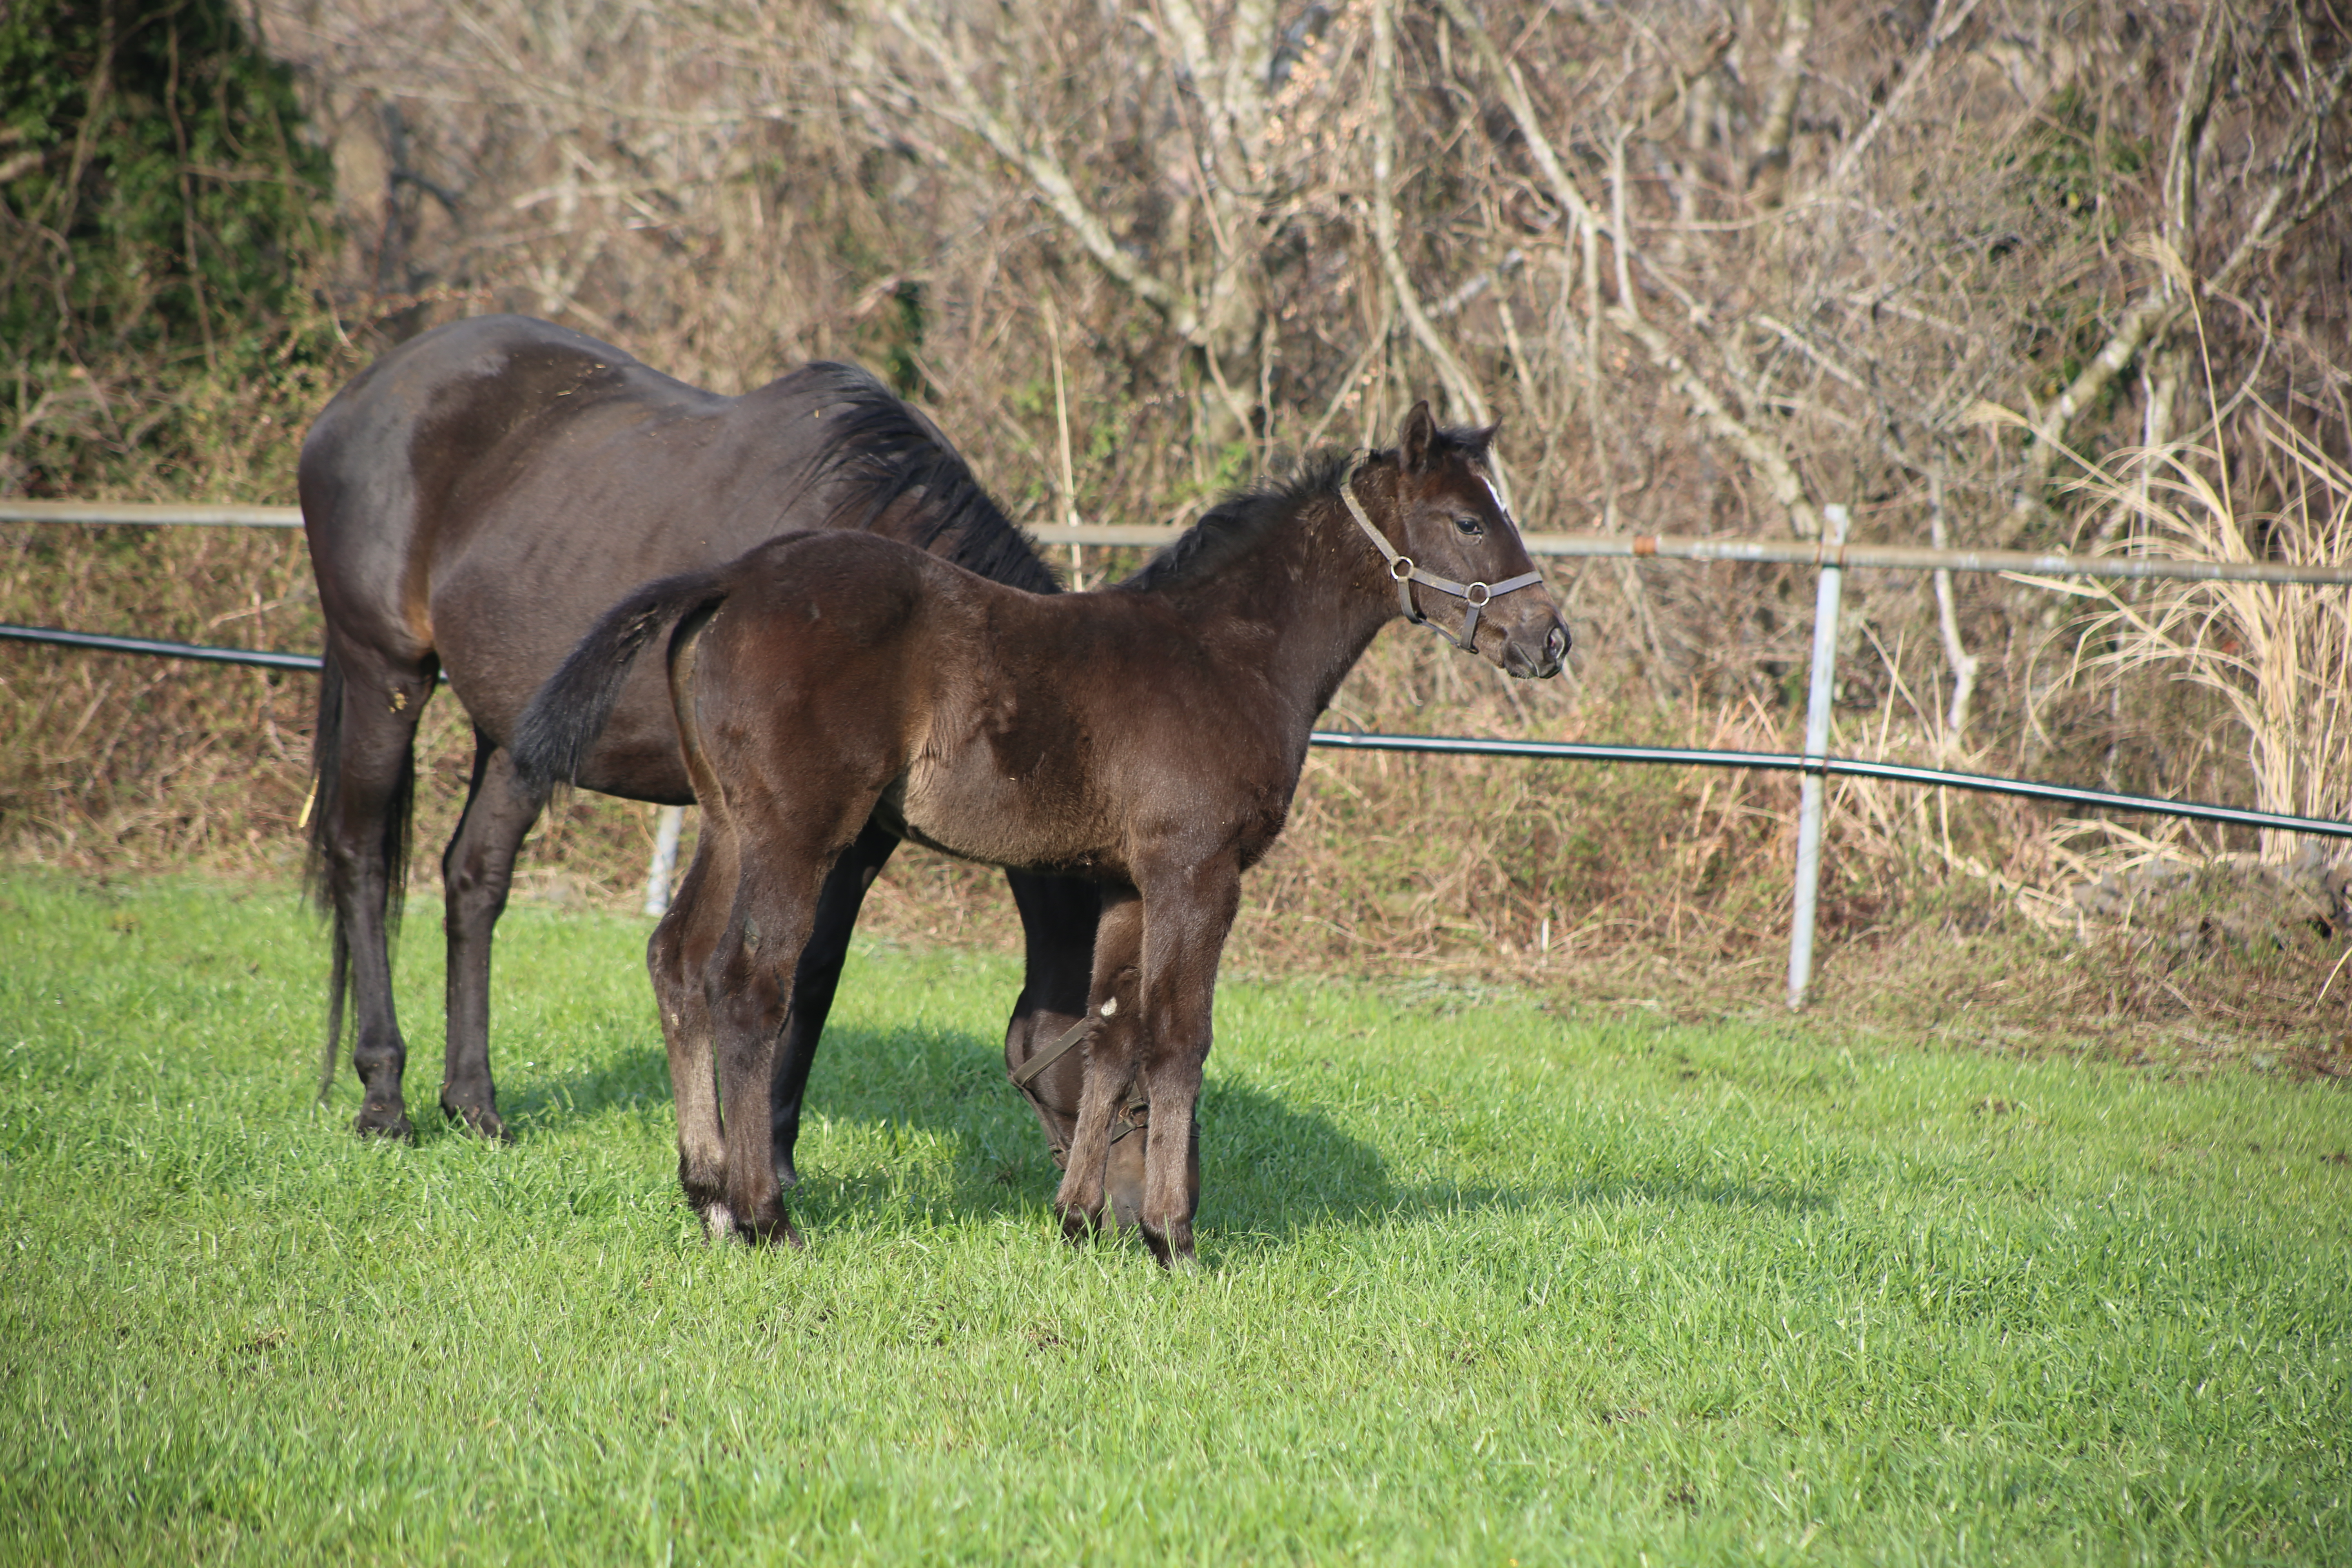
<point>1405,573</point>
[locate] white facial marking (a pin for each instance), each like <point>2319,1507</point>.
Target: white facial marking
<point>1499,507</point>
<point>1110,1007</point>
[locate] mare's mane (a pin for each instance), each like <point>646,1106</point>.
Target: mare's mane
<point>1236,524</point>
<point>896,456</point>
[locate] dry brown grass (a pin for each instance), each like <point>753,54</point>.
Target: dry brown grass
<point>2279,656</point>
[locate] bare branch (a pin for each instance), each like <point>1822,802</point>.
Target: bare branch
<point>1768,176</point>
<point>1939,32</point>
<point>1458,384</point>
<point>2155,312</point>
<point>1514,89</point>
<point>1765,457</point>
<point>1053,182</point>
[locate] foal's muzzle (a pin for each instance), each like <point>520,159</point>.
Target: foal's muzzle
<point>1542,661</point>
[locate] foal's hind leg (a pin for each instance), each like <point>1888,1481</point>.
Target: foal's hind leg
<point>476,871</point>
<point>815,980</point>
<point>362,839</point>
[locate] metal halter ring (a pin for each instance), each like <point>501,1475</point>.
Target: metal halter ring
<point>1478,594</point>
<point>1400,569</point>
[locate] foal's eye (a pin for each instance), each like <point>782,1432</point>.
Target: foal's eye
<point>1470,525</point>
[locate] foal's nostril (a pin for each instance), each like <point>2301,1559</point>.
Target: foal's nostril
<point>1556,645</point>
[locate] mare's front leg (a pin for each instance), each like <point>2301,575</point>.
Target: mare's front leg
<point>1058,918</point>
<point>1189,912</point>
<point>1103,1170</point>
<point>814,981</point>
<point>477,872</point>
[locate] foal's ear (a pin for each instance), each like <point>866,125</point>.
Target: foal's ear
<point>1419,437</point>
<point>1481,442</point>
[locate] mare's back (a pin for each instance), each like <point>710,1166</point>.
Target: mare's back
<point>513,445</point>
<point>487,490</point>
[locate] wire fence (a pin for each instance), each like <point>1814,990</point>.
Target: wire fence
<point>1830,555</point>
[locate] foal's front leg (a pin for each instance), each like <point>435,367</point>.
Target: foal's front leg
<point>1189,916</point>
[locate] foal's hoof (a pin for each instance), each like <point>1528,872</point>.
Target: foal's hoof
<point>386,1122</point>
<point>719,1222</point>
<point>1176,1256</point>
<point>780,1232</point>
<point>1078,1224</point>
<point>480,1119</point>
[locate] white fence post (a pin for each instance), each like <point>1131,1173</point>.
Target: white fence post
<point>657,880</point>
<point>1835,519</point>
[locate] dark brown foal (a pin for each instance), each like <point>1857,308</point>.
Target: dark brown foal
<point>1148,737</point>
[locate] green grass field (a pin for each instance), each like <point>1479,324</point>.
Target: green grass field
<point>1484,1282</point>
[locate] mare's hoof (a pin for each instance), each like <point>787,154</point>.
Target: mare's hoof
<point>786,1176</point>
<point>480,1119</point>
<point>388,1121</point>
<point>1079,1225</point>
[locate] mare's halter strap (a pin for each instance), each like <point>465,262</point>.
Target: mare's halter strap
<point>1405,573</point>
<point>1052,1053</point>
<point>1131,1117</point>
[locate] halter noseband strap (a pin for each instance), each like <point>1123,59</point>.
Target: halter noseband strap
<point>1404,572</point>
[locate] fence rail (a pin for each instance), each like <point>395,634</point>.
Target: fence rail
<point>1561,546</point>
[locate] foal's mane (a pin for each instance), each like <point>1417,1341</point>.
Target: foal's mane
<point>1236,524</point>
<point>896,455</point>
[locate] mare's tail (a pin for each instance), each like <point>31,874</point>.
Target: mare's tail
<point>327,877</point>
<point>557,731</point>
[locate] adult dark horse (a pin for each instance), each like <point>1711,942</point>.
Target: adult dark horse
<point>1148,736</point>
<point>475,499</point>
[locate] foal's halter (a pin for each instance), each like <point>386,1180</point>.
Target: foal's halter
<point>1405,573</point>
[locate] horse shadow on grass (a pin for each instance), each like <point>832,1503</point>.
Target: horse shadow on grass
<point>921,1119</point>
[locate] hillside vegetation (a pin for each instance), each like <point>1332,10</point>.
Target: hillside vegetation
<point>1986,273</point>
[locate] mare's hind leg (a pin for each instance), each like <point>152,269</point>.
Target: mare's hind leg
<point>363,840</point>
<point>814,981</point>
<point>678,956</point>
<point>476,871</point>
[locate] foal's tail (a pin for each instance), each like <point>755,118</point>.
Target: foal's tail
<point>557,731</point>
